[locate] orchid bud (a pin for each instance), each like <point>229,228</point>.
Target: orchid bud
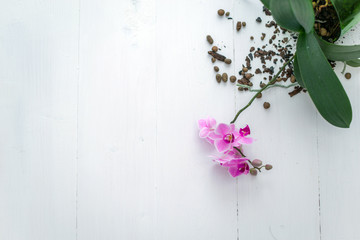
<point>253,172</point>
<point>256,163</point>
<point>268,167</point>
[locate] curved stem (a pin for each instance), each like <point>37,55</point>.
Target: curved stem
<point>258,168</point>
<point>271,86</point>
<point>239,150</point>
<point>271,82</point>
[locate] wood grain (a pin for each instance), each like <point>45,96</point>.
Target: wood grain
<point>38,108</point>
<point>99,102</point>
<point>117,121</point>
<point>282,203</point>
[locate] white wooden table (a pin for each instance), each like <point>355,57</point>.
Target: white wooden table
<point>98,108</point>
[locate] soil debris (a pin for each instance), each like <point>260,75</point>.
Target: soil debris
<point>238,26</point>
<point>224,77</point>
<point>217,56</point>
<point>218,78</point>
<point>266,11</point>
<point>227,61</point>
<point>348,76</point>
<point>266,105</point>
<point>327,24</point>
<point>297,90</point>
<point>209,39</point>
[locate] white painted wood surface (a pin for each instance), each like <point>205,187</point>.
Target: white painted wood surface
<point>99,102</point>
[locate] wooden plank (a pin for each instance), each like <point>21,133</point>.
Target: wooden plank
<point>38,104</point>
<point>339,156</point>
<point>117,121</point>
<point>196,198</point>
<point>282,203</point>
<point>143,173</point>
<point>131,185</point>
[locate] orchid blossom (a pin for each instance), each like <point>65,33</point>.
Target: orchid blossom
<point>225,137</point>
<point>228,141</point>
<point>242,135</point>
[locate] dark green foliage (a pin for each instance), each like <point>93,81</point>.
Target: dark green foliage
<point>322,83</point>
<point>348,12</point>
<point>311,67</point>
<point>353,63</point>
<point>338,52</point>
<point>298,74</point>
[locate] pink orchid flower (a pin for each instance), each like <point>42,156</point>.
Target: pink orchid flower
<point>238,166</point>
<point>227,156</point>
<point>206,126</point>
<point>225,137</point>
<point>242,135</point>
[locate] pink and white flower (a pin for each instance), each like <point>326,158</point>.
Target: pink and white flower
<point>227,141</point>
<point>243,132</point>
<point>237,165</point>
<point>206,126</point>
<point>226,157</point>
<point>225,137</point>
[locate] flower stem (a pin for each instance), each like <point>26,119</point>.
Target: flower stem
<point>271,86</point>
<point>239,150</point>
<point>258,168</point>
<point>273,80</point>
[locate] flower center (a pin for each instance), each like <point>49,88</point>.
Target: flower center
<point>229,138</point>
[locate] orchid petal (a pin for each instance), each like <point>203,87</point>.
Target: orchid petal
<point>202,123</point>
<point>231,153</point>
<point>221,145</point>
<point>236,161</point>
<point>204,132</point>
<point>222,129</point>
<point>244,131</point>
<point>211,122</point>
<point>210,141</point>
<point>234,171</point>
<point>214,136</point>
<point>220,160</point>
<point>245,140</point>
<point>236,134</point>
<point>232,128</point>
<point>244,168</point>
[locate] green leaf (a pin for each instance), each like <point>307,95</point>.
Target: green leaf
<point>339,52</point>
<point>297,73</point>
<point>304,13</point>
<point>323,85</point>
<point>284,16</point>
<point>348,12</point>
<point>295,15</point>
<point>353,63</point>
<point>266,3</point>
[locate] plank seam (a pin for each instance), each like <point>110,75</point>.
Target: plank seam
<point>77,126</point>
<point>318,158</point>
<point>235,98</point>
